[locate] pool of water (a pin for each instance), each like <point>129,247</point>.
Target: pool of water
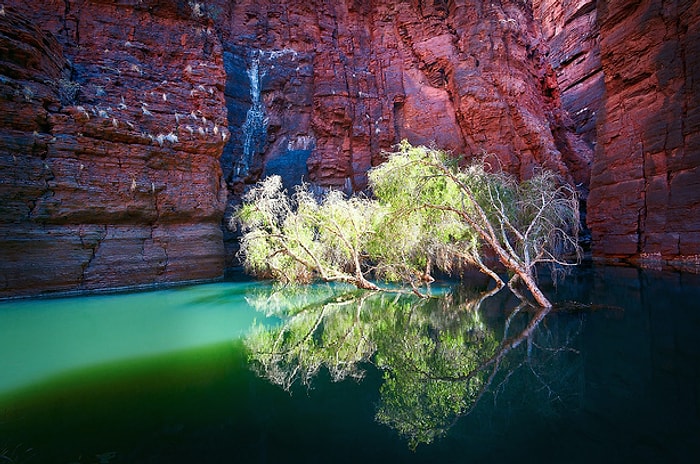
<point>236,372</point>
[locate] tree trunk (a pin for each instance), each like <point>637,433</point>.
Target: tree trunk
<point>361,282</point>
<point>531,285</point>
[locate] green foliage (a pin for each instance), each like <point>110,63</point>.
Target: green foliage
<point>299,239</point>
<point>330,334</point>
<point>413,237</point>
<point>435,362</point>
<point>272,236</point>
<point>432,375</point>
<point>429,212</point>
<point>459,210</point>
<point>439,357</point>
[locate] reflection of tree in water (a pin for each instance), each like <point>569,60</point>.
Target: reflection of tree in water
<point>321,328</point>
<point>439,357</point>
<point>430,357</point>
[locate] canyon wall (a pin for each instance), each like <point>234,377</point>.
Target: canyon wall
<point>129,129</point>
<point>317,90</point>
<point>628,71</point>
<point>108,146</point>
<point>129,126</point>
<point>644,203</point>
<point>328,85</point>
<point>570,28</point>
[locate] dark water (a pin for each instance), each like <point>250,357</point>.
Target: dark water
<point>197,375</point>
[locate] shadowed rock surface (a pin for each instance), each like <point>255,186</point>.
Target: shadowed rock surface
<point>645,183</point>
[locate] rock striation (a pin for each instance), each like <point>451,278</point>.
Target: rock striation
<point>570,27</point>
<point>644,203</point>
<point>317,90</point>
<point>335,83</point>
<point>129,130</point>
<point>626,74</point>
<point>111,128</point>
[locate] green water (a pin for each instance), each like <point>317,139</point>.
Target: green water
<point>193,375</point>
<point>51,336</point>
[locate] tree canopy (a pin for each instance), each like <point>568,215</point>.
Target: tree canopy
<point>471,208</point>
<point>428,212</point>
<point>298,239</point>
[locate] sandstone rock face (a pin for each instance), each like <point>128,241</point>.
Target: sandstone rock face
<point>318,89</point>
<point>570,27</point>
<point>326,86</point>
<point>113,167</point>
<point>645,187</point>
<point>127,128</point>
<point>112,122</point>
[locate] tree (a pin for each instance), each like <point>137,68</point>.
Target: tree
<point>429,212</point>
<point>414,238</point>
<point>298,239</point>
<point>523,223</point>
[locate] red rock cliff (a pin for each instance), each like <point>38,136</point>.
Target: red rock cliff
<point>109,147</point>
<point>645,186</point>
<point>128,126</point>
<point>337,82</point>
<point>117,114</point>
<point>570,27</point>
<point>318,89</point>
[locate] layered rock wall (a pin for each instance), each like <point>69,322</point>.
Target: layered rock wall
<point>112,123</point>
<point>318,89</point>
<point>570,28</point>
<point>645,186</point>
<point>127,127</point>
<point>338,82</point>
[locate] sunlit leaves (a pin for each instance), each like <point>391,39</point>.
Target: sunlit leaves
<point>433,373</point>
<point>334,334</point>
<point>299,238</point>
<point>413,236</point>
<point>429,212</point>
<point>460,210</point>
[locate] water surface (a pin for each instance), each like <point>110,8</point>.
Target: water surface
<point>198,374</point>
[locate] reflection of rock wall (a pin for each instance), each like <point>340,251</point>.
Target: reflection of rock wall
<point>111,125</point>
<point>645,186</point>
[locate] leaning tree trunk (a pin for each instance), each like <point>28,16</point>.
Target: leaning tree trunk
<point>361,282</point>
<point>529,281</point>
